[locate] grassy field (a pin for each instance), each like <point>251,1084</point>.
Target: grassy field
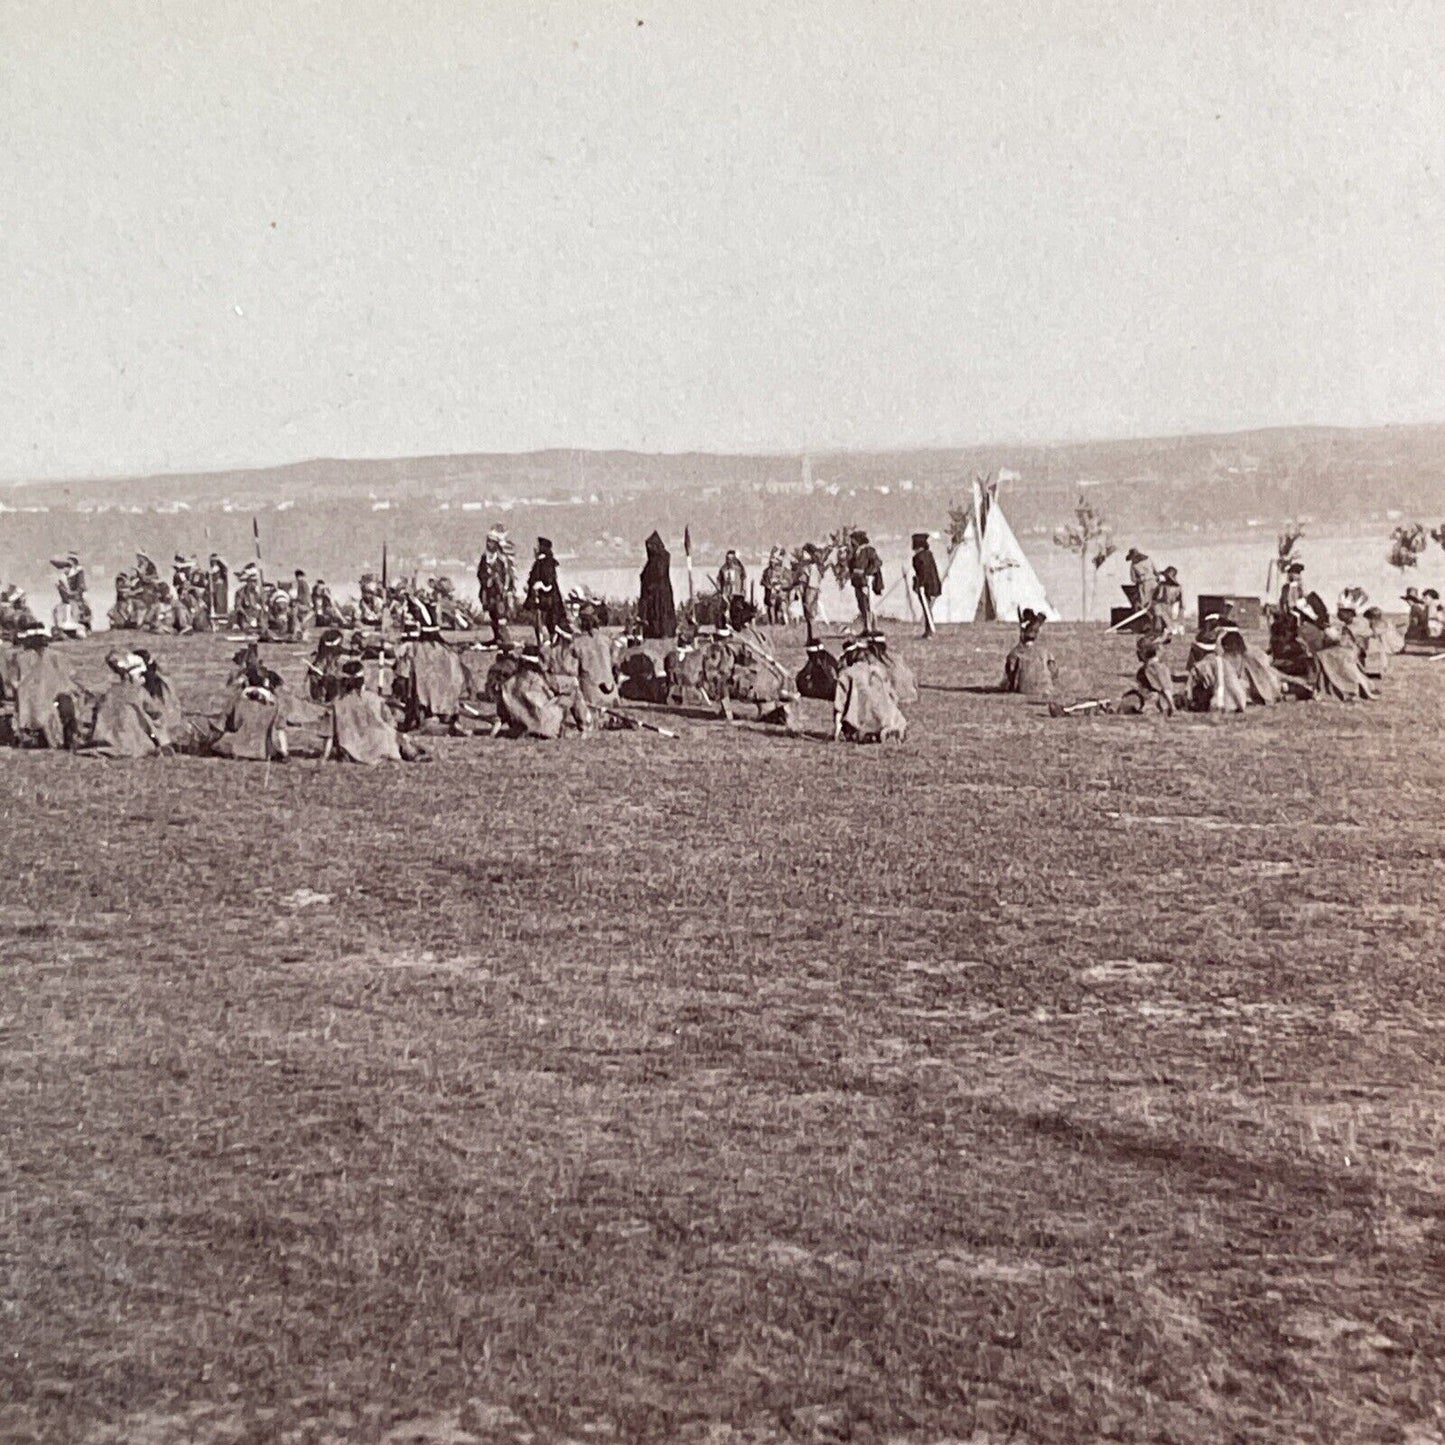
<point>1035,1080</point>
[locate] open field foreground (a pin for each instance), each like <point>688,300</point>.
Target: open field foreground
<point>1035,1080</point>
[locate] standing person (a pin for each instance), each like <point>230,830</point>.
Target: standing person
<point>808,581</point>
<point>732,578</point>
<point>220,586</point>
<point>656,610</point>
<point>865,572</point>
<point>775,588</point>
<point>497,581</point>
<point>301,593</point>
<point>1417,629</point>
<point>1167,608</point>
<point>926,581</point>
<point>1143,579</point>
<point>544,592</point>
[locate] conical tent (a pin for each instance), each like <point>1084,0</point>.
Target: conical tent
<point>1013,584</point>
<point>987,579</point>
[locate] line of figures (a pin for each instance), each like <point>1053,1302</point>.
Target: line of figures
<point>201,598</point>
<point>366,701</point>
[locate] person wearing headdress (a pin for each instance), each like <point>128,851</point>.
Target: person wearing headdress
<point>73,611</point>
<point>1030,668</point>
<point>775,587</point>
<point>248,608</point>
<point>127,722</point>
<point>732,578</point>
<point>864,708</point>
<point>146,570</point>
<point>528,705</point>
<point>253,726</point>
<point>436,681</point>
<point>45,696</point>
<point>544,592</point>
<point>818,676</point>
<point>1143,580</point>
<point>371,607</point>
<point>927,584</point>
<point>656,611</point>
<point>865,572</point>
<point>323,672</point>
<point>361,726</point>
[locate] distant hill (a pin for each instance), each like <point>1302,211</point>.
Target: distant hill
<point>332,516</point>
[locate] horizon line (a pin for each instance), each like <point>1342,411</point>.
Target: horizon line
<point>753,453</point>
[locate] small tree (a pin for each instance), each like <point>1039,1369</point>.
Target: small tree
<point>1438,534</point>
<point>960,519</point>
<point>1091,537</point>
<point>1406,545</point>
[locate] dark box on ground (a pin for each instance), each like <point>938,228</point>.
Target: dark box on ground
<point>1248,611</point>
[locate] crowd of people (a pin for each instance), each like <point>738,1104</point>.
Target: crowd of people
<point>384,674</point>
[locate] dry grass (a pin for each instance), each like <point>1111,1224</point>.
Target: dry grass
<point>1036,1080</point>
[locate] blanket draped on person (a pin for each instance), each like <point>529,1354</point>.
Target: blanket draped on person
<point>45,694</point>
<point>1030,668</point>
<point>864,708</point>
<point>818,676</point>
<point>528,704</point>
<point>127,721</point>
<point>437,680</point>
<point>656,610</point>
<point>362,730</point>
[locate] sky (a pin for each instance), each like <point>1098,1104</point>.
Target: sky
<point>240,234</point>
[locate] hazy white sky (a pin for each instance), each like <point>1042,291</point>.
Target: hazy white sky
<point>244,233</point>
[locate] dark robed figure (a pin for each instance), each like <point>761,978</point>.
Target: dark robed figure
<point>656,609</point>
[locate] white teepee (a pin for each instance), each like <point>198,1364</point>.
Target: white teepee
<point>987,579</point>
